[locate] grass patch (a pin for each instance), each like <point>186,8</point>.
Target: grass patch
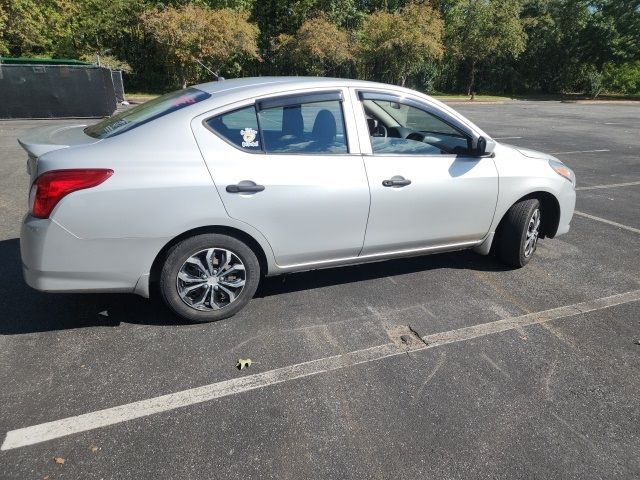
<point>140,97</point>
<point>447,97</point>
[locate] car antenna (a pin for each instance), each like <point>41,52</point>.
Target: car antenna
<point>218,77</point>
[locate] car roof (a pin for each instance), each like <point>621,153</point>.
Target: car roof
<point>250,85</point>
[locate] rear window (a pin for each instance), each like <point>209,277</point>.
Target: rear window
<point>146,112</point>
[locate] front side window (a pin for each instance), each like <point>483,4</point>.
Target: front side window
<point>313,124</point>
<point>403,129</point>
<point>146,112</point>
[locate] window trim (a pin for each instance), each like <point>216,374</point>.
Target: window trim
<point>439,114</point>
<point>298,98</point>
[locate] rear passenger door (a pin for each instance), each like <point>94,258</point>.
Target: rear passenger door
<point>289,166</point>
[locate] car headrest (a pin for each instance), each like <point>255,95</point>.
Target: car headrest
<point>324,127</point>
<point>292,123</point>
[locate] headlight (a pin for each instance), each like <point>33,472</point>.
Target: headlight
<point>562,170</point>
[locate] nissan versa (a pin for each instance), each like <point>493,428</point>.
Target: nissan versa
<point>202,191</point>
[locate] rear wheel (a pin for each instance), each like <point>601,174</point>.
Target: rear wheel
<point>519,232</point>
<point>209,277</point>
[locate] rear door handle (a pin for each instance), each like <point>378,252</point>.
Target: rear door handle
<point>396,181</point>
<point>246,186</point>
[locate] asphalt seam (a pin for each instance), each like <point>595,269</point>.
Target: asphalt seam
<point>102,418</point>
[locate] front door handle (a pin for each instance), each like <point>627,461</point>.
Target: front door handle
<point>246,186</point>
<point>396,181</point>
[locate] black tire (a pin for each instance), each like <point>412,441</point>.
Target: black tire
<point>512,235</point>
<point>178,255</point>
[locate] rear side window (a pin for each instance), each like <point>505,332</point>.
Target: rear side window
<point>238,127</point>
<point>306,124</point>
<point>146,112</point>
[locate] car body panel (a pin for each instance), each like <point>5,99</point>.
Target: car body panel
<point>450,199</point>
<point>40,140</point>
<point>522,175</point>
<point>170,178</point>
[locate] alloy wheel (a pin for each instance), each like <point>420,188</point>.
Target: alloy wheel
<point>211,279</point>
<point>533,230</point>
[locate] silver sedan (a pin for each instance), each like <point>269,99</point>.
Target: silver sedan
<point>200,192</point>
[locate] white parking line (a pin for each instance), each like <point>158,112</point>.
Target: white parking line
<point>111,416</point>
<point>611,185</point>
<point>579,151</point>
<point>608,222</point>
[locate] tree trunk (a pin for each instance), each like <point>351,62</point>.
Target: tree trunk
<point>472,78</point>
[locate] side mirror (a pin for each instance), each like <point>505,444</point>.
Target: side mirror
<point>481,146</point>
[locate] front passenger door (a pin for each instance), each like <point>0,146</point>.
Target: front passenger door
<point>427,190</point>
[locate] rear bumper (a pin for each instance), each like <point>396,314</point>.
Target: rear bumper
<point>55,260</point>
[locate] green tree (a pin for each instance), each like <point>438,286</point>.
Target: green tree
<point>4,50</point>
<point>612,32</point>
<point>553,59</point>
<point>34,27</point>
<point>395,45</point>
<point>190,36</point>
<point>99,27</point>
<point>319,47</point>
<point>478,30</point>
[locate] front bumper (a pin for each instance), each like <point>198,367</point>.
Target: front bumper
<point>567,201</point>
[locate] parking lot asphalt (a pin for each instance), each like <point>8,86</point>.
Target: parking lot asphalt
<point>530,373</point>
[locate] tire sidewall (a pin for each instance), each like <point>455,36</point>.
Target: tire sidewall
<point>178,254</point>
<point>534,205</point>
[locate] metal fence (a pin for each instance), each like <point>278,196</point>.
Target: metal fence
<point>57,91</point>
<point>118,85</point>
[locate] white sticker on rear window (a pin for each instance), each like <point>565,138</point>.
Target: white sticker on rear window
<point>249,137</point>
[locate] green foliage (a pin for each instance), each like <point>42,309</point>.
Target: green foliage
<point>481,29</point>
<point>623,78</point>
<point>319,47</point>
<point>592,81</point>
<point>190,36</point>
<point>612,32</point>
<point>548,46</point>
<point>34,27</point>
<point>395,45</point>
<point>99,27</point>
<point>4,50</point>
<point>108,61</point>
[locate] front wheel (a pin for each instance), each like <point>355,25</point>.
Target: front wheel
<point>209,277</point>
<point>519,232</point>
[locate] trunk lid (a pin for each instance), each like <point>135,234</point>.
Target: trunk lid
<point>38,141</point>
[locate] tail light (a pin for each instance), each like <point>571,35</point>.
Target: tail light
<point>50,187</point>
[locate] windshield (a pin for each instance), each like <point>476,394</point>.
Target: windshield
<point>146,112</point>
